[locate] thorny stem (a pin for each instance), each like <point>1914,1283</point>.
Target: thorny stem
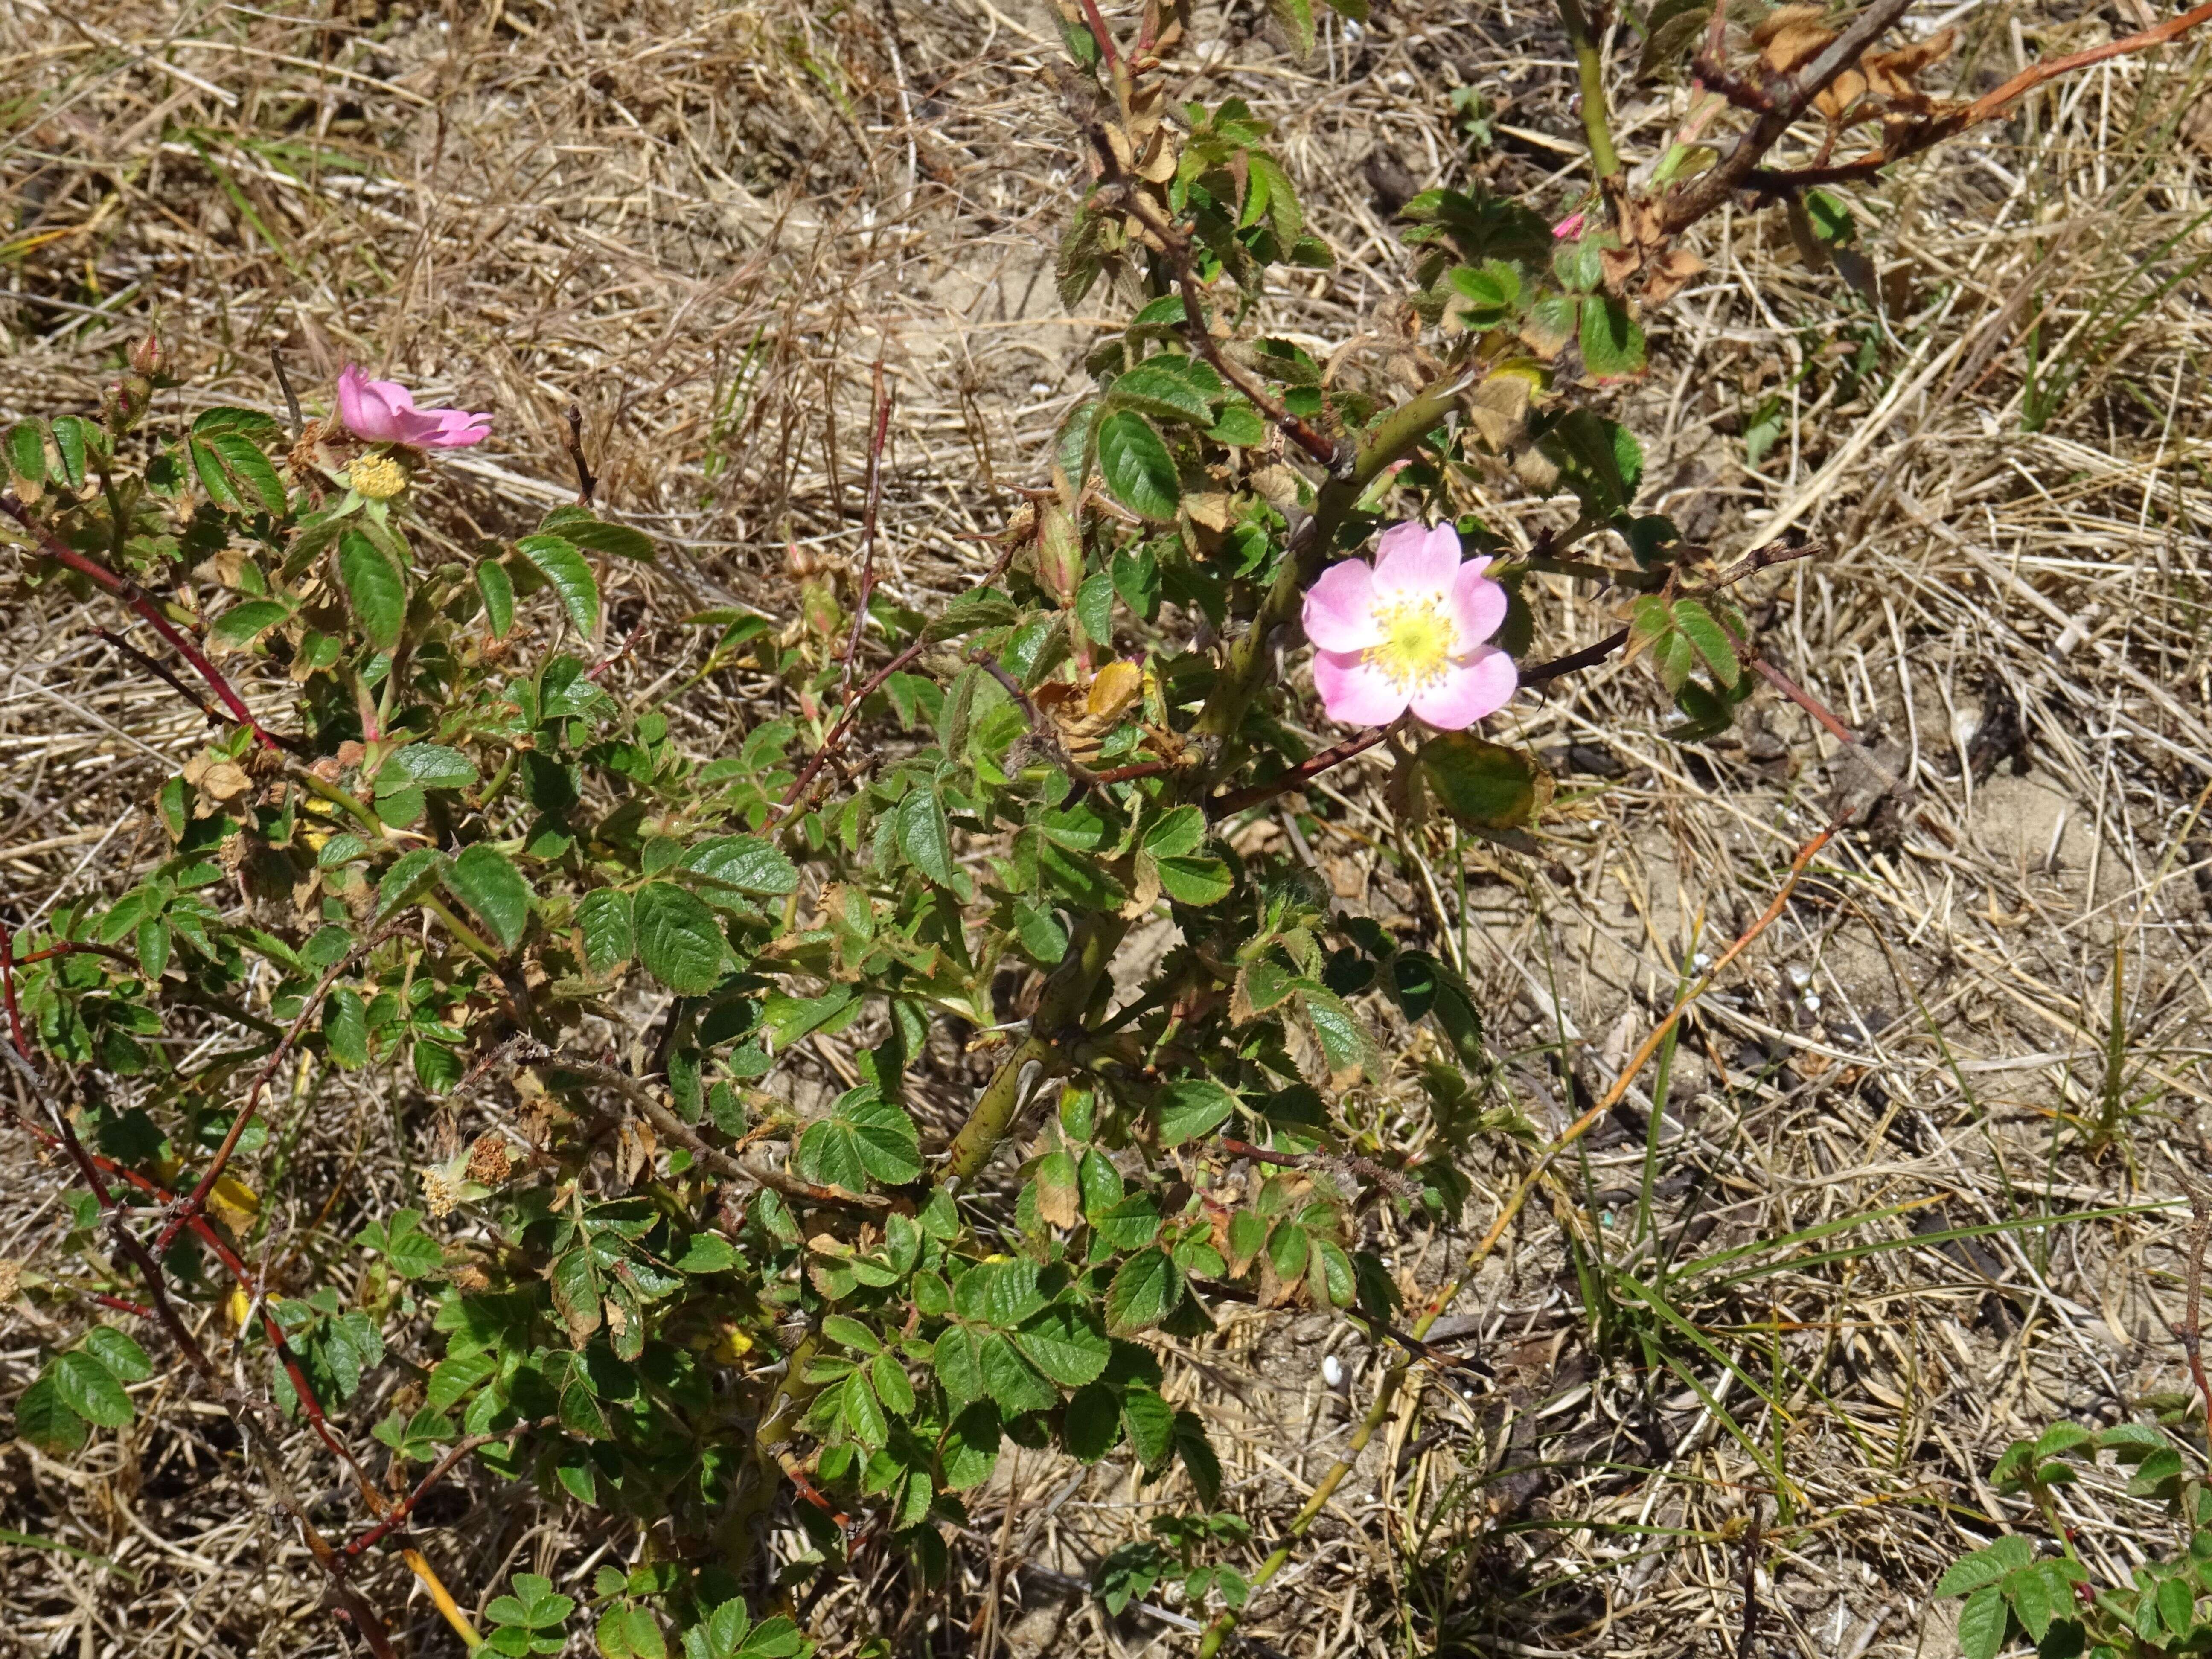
<point>1060,1011</point>
<point>1575,661</point>
<point>8,990</point>
<point>1689,203</point>
<point>1105,36</point>
<point>876,439</point>
<point>851,716</point>
<point>196,1204</point>
<point>586,485</point>
<point>132,595</point>
<point>1320,447</point>
<point>1926,134</point>
<point>1299,776</point>
<point>1804,699</point>
<point>160,671</point>
<point>344,1601</point>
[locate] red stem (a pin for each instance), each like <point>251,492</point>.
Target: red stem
<point>132,595</point>
<point>1105,39</point>
<point>195,1204</point>
<point>8,990</point>
<point>851,717</point>
<point>1237,800</point>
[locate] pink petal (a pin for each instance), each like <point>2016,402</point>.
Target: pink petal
<point>1472,687</point>
<point>1413,563</point>
<point>396,397</point>
<point>458,428</point>
<point>353,399</point>
<point>369,411</point>
<point>1478,604</point>
<point>1353,691</point>
<point>1340,613</point>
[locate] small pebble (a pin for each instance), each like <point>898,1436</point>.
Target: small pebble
<point>1800,976</point>
<point>1701,960</point>
<point>1812,1003</point>
<point>1332,1370</point>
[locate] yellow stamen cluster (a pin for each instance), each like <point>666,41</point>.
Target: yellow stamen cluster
<point>377,476</point>
<point>1418,638</point>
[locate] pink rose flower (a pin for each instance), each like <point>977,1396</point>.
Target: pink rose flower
<point>1409,630</point>
<point>384,412</point>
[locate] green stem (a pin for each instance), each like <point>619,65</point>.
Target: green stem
<point>1226,1621</point>
<point>491,792</point>
<point>460,930</point>
<point>1249,659</point>
<point>1605,160</point>
<point>1067,994</point>
<point>338,798</point>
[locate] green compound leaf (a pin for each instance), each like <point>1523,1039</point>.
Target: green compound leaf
<point>42,1419</point>
<point>1485,785</point>
<point>746,863</point>
<point>1985,1567</point>
<point>603,917</point>
<point>429,766</point>
<point>926,836</point>
<point>969,1450</point>
<point>496,589</point>
<point>678,940</point>
<point>1712,643</point>
<point>411,875</point>
<point>565,572</point>
<point>1066,1344</point>
<point>1613,343</point>
<point>346,1028</point>
<point>1011,1382</point>
<point>1195,1107</point>
<point>27,458</point>
<point>1137,466</point>
<point>483,880</point>
<point>1145,1290</point>
<point>116,1350</point>
<point>90,1389</point>
<point>1157,388</point>
<point>242,624</point>
<point>1296,20</point>
<point>864,1135</point>
<point>374,588</point>
<point>1093,1423</point>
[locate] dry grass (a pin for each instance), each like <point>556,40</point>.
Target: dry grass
<point>703,222</point>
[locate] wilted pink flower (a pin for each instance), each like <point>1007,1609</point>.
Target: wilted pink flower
<point>1409,629</point>
<point>384,412</point>
<point>1570,226</point>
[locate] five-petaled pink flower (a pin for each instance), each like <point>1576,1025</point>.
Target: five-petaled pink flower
<point>1409,629</point>
<point>384,412</point>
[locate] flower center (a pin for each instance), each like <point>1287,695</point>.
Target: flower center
<point>378,477</point>
<point>1418,638</point>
